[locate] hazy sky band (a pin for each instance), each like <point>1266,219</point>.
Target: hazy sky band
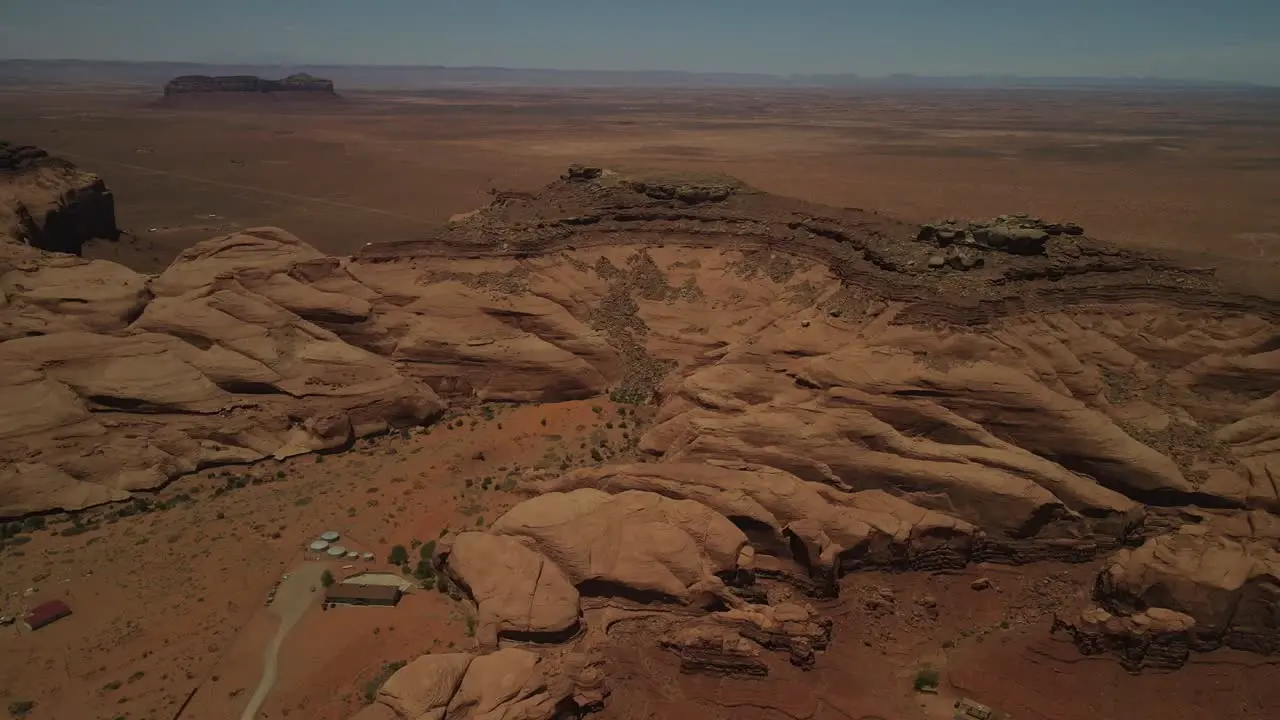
<point>1199,39</point>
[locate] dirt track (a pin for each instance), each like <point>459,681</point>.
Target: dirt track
<point>293,598</point>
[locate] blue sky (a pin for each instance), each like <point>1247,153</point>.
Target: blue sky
<point>1210,39</point>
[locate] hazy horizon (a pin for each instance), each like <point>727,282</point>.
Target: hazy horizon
<point>1232,40</point>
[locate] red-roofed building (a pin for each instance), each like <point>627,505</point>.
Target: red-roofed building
<point>46,613</point>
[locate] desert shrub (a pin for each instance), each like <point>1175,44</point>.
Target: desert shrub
<point>375,683</point>
<point>21,708</point>
<point>326,578</point>
<point>428,549</point>
<point>399,556</point>
<point>424,570</point>
<point>32,524</point>
<point>927,678</point>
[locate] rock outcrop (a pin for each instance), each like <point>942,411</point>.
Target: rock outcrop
<point>510,684</point>
<point>1190,590</point>
<point>633,546</point>
<point>1015,234</point>
<point>824,532</point>
<point>50,204</point>
<point>178,376</point>
<point>518,593</point>
<point>300,84</point>
<point>823,402</point>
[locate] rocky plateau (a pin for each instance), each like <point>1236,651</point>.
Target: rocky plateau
<point>829,399</point>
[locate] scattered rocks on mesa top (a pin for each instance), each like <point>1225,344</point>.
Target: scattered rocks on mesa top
<point>1015,234</point>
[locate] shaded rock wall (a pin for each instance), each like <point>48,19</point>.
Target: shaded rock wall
<point>50,204</point>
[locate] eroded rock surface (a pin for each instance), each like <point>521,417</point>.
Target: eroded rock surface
<point>518,593</point>
<point>824,402</point>
<point>510,684</point>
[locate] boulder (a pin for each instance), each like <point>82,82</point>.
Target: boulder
<point>1230,589</point>
<point>1156,638</point>
<point>635,546</point>
<point>510,684</point>
<point>423,689</point>
<point>519,594</point>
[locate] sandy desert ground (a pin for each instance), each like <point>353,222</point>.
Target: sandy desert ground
<point>169,594</point>
<point>1193,172</point>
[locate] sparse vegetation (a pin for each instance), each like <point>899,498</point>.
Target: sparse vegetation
<point>399,556</point>
<point>21,708</point>
<point>375,683</point>
<point>927,679</point>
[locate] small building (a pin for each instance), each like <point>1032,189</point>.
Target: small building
<point>353,594</point>
<point>46,613</point>
<point>967,709</point>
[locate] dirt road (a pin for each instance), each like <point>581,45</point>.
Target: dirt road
<point>293,598</point>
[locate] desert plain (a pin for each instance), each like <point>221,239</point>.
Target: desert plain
<point>169,588</point>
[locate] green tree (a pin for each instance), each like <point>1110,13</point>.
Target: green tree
<point>399,556</point>
<point>326,579</point>
<point>927,679</point>
<point>427,550</point>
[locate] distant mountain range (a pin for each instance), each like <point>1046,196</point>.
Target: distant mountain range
<point>425,77</point>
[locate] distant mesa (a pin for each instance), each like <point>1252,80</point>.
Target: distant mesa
<point>299,85</point>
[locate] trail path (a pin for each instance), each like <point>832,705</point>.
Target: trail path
<point>293,597</point>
